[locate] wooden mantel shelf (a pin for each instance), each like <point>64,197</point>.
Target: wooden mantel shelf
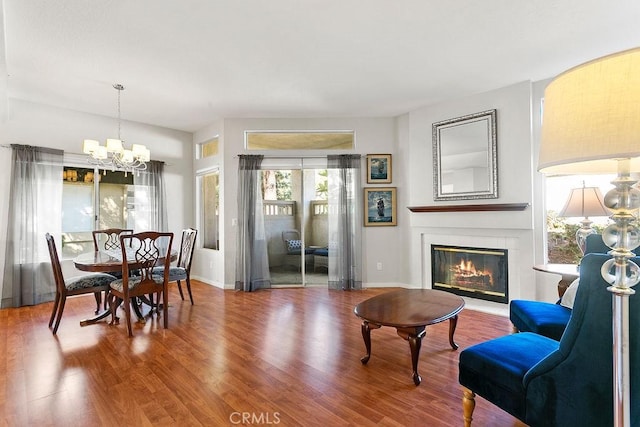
<point>471,208</point>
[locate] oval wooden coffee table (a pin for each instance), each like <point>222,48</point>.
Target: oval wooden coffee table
<point>410,311</point>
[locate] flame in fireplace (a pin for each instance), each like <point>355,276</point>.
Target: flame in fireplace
<point>467,267</point>
<point>466,272</point>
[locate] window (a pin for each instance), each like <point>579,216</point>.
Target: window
<point>209,196</point>
<point>289,140</point>
<point>208,149</point>
<point>111,196</point>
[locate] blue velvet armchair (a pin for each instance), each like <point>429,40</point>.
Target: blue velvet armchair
<point>546,318</point>
<point>544,382</point>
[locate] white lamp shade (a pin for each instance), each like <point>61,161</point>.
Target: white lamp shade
<point>138,149</point>
<point>585,202</point>
<point>114,146</point>
<point>127,156</point>
<point>591,117</point>
<point>100,153</point>
<point>146,156</point>
<point>89,146</point>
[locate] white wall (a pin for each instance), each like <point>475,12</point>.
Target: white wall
<point>373,135</point>
<point>44,126</point>
<point>402,250</point>
<point>513,230</point>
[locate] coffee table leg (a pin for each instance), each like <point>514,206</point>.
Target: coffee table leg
<point>414,336</point>
<point>453,322</point>
<point>415,342</point>
<point>366,335</point>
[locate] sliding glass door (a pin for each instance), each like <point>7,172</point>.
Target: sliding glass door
<point>295,208</point>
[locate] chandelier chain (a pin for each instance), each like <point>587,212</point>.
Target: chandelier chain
<point>119,88</point>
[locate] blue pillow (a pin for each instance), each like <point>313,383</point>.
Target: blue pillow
<point>293,245</point>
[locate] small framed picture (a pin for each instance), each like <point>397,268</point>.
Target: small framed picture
<point>379,168</point>
<point>380,206</point>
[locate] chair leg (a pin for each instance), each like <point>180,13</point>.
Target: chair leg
<point>56,303</point>
<point>63,300</point>
<point>127,315</point>
<point>113,306</point>
<point>155,303</point>
<point>189,289</point>
<point>468,405</point>
<point>165,307</point>
<point>180,289</point>
<point>98,297</point>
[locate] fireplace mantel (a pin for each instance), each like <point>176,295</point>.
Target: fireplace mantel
<point>493,207</point>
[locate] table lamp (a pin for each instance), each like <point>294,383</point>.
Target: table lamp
<point>584,202</point>
<point>591,124</point>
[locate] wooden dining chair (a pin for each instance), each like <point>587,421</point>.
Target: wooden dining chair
<point>108,239</point>
<point>142,252</point>
<point>91,283</point>
<point>182,270</point>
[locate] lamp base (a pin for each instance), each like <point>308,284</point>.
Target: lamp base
<point>622,273</point>
<point>583,232</point>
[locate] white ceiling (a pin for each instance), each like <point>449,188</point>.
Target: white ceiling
<point>185,63</point>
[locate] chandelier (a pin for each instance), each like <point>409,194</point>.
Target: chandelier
<point>113,155</point>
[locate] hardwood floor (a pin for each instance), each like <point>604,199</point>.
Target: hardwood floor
<point>275,357</point>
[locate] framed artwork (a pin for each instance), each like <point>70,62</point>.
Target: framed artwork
<point>380,206</point>
<point>379,168</point>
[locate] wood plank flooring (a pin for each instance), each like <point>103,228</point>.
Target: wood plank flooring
<point>288,357</point>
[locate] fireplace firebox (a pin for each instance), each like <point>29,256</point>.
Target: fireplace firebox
<point>472,272</point>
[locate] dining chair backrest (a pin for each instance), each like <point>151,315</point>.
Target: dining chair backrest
<point>187,246</point>
<point>55,263</point>
<point>109,238</point>
<point>144,251</point>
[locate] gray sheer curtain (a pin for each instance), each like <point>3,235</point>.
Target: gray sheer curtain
<point>150,199</point>
<point>345,238</point>
<point>35,208</point>
<point>252,262</point>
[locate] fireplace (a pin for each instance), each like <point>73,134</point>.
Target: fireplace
<point>472,272</point>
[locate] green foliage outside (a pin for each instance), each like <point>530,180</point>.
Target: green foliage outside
<point>277,185</point>
<point>322,189</point>
<point>561,240</point>
<point>283,184</point>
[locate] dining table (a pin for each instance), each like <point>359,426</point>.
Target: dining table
<point>110,261</point>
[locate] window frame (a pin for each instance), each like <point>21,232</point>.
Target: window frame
<point>200,205</point>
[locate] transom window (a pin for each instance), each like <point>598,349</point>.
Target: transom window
<point>295,140</point>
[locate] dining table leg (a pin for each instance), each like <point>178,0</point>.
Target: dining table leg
<point>98,317</point>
